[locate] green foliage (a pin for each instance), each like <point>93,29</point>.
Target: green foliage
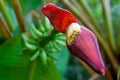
<point>62,60</point>
<point>115,2</point>
<point>45,42</point>
<point>116,20</point>
<point>43,72</point>
<point>11,53</point>
<point>19,66</point>
<point>13,73</point>
<point>13,62</point>
<point>116,17</point>
<point>37,72</point>
<point>31,55</point>
<point>28,5</point>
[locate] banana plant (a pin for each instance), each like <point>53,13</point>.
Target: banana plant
<point>44,41</point>
<point>30,53</point>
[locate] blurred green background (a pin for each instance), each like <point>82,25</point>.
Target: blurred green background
<point>18,62</point>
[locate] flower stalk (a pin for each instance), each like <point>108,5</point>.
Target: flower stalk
<point>32,69</point>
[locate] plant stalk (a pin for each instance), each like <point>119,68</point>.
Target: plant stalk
<point>6,15</point>
<point>103,43</point>
<point>89,70</point>
<point>108,75</point>
<point>22,5</point>
<point>108,22</point>
<point>35,14</point>
<point>4,30</point>
<point>118,41</point>
<point>31,70</point>
<point>78,6</point>
<point>88,11</point>
<point>19,15</point>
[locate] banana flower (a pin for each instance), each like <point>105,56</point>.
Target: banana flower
<point>81,42</point>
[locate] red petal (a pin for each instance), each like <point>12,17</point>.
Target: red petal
<point>85,47</point>
<point>58,17</point>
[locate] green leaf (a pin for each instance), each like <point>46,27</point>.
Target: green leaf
<point>13,73</point>
<point>42,72</point>
<point>16,66</point>
<point>62,60</point>
<point>11,53</point>
<point>34,71</point>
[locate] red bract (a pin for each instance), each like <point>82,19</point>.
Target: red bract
<point>58,17</point>
<point>81,42</point>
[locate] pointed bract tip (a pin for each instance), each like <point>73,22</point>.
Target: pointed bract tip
<point>102,72</point>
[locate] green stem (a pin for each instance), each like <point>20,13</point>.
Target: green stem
<point>88,11</point>
<point>118,41</point>
<point>32,69</point>
<point>118,75</point>
<point>78,6</point>
<point>105,46</point>
<point>6,15</point>
<point>22,5</point>
<point>108,22</point>
<point>19,15</point>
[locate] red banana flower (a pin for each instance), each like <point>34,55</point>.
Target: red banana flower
<point>81,42</point>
